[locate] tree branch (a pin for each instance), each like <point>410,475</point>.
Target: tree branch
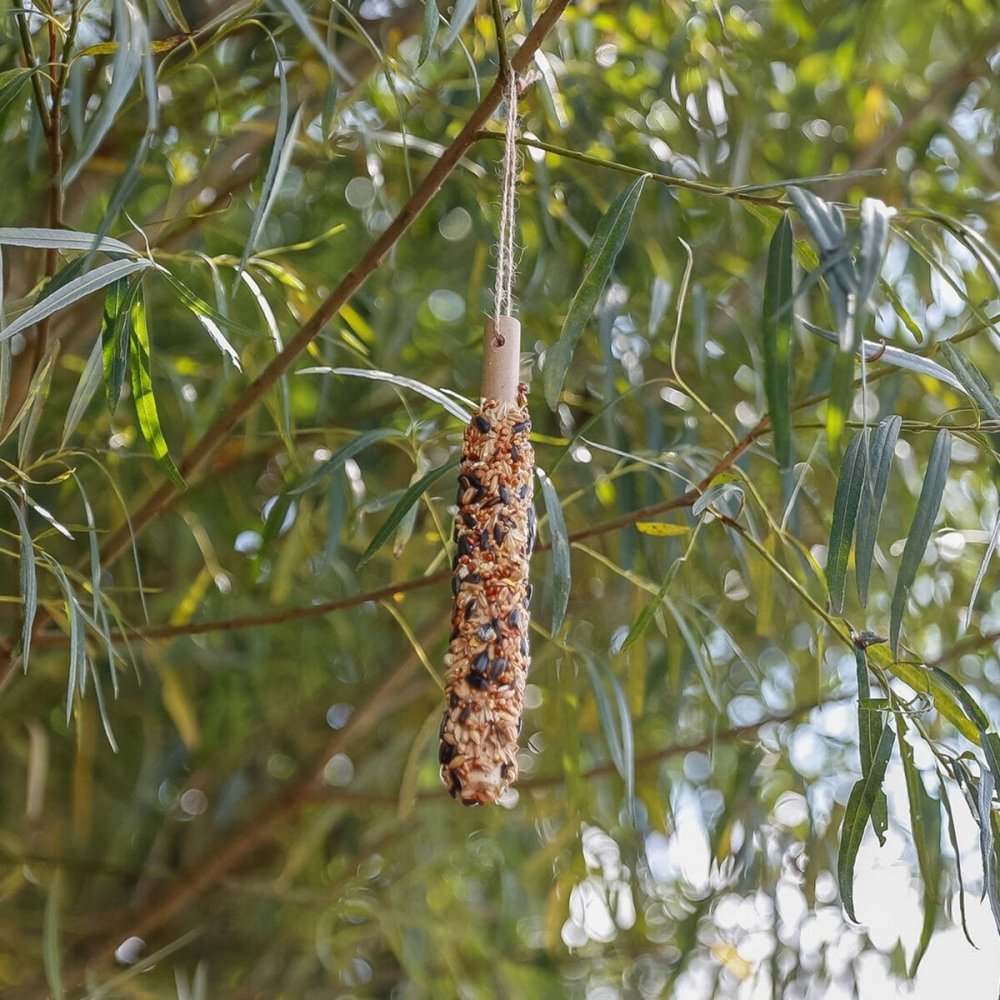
<point>163,498</point>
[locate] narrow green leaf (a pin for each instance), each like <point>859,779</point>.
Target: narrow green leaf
<point>826,225</point>
<point>987,841</point>
<point>11,83</point>
<point>77,635</point>
<point>38,394</point>
<point>448,401</point>
<point>839,402</point>
<point>73,291</point>
<point>925,825</point>
<point>957,854</point>
<point>177,15</point>
<point>606,714</point>
<point>277,166</point>
<point>63,239</point>
<point>608,239</point>
<point>894,356</point>
<point>28,578</point>
<point>116,336</point>
<point>132,41</point>
<point>991,749</point>
<point>463,10</point>
<point>870,725</point>
<point>964,703</point>
<point>339,457</point>
<point>928,504</point>
<point>90,380</point>
<point>142,392</point>
<point>778,339</point>
<point>874,241</point>
<point>560,551</point>
<point>883,447</point>
<point>51,950</point>
<point>845,512</point>
<point>37,389</point>
<point>432,19</point>
<point>973,381</point>
<point>859,807</point>
<point>305,25</point>
<point>714,494</point>
<point>984,564</point>
<point>405,502</point>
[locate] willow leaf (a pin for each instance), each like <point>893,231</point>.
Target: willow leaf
<point>342,455</point>
<point>608,239</point>
<point>778,339</point>
<point>142,392</point>
<point>928,504</point>
<point>845,513</point>
<point>859,807</point>
<point>973,381</point>
<point>410,496</point>
<point>925,825</point>
<point>883,447</point>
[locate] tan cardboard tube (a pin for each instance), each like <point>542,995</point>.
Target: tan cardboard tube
<point>501,359</point>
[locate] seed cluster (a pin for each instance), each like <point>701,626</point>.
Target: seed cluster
<point>487,659</point>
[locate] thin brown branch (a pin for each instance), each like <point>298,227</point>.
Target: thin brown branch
<point>58,639</point>
<point>163,498</point>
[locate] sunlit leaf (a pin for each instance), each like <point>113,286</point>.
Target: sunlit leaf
<point>132,41</point>
<point>925,826</point>
<point>63,239</point>
<point>928,504</point>
<point>116,337</point>
<point>86,387</point>
<point>285,136</point>
<point>73,291</point>
<point>445,400</point>
<point>987,842</point>
<point>845,513</point>
<point>894,356</point>
<point>870,723</point>
<point>142,393</point>
<point>874,241</point>
<point>777,324</point>
<point>460,15</point>
<point>432,18</point>
<point>973,381</point>
<point>608,239</point>
<point>406,501</point>
<point>859,807</point>
<point>883,447</point>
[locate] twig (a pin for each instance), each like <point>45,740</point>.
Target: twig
<point>27,50</point>
<point>389,695</point>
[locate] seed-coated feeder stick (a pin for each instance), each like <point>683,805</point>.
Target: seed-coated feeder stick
<point>488,655</point>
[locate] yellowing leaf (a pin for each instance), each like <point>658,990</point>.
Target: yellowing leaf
<point>660,529</point>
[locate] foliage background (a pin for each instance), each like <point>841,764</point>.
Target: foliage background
<point>272,821</point>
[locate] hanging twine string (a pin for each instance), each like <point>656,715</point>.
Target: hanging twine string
<point>503,295</point>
